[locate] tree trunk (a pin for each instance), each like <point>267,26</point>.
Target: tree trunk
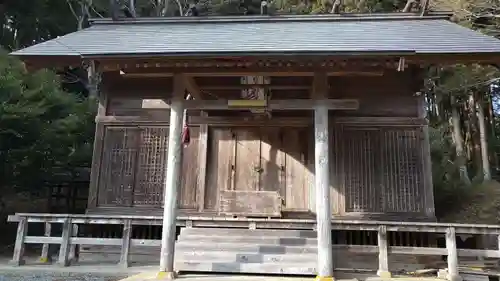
<point>132,8</point>
<point>483,140</point>
<point>491,114</point>
<point>459,144</point>
<point>475,137</point>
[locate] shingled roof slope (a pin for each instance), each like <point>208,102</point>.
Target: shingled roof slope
<point>329,34</point>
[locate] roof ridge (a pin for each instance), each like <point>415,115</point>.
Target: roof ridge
<point>277,18</point>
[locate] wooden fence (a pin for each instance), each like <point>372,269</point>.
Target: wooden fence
<point>69,240</point>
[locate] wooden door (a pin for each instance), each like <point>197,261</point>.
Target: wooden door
<point>295,185</point>
<point>246,163</point>
<point>254,188</point>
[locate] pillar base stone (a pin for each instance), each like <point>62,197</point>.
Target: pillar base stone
<point>163,275</point>
<point>384,274</point>
<point>45,260</point>
<point>16,263</point>
<point>444,274</point>
<point>324,278</point>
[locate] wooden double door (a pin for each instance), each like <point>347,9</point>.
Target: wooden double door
<point>266,171</point>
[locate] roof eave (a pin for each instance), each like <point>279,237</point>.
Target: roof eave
<point>277,18</point>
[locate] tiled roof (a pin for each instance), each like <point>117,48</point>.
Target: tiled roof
<point>274,35</point>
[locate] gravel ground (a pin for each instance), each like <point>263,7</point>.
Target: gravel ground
<point>55,276</point>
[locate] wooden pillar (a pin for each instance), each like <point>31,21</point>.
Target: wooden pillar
<point>383,256</point>
<point>172,181</point>
<point>202,163</point>
<point>426,151</point>
<point>44,258</point>
<point>125,251</point>
<point>322,179</point>
<point>98,142</point>
<point>22,230</point>
<point>451,247</point>
<point>65,243</point>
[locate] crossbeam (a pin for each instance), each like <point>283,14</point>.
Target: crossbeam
<point>295,104</point>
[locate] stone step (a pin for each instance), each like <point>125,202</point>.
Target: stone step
<point>261,240</point>
<point>235,267</point>
<point>220,256</point>
<point>243,247</point>
<point>247,232</point>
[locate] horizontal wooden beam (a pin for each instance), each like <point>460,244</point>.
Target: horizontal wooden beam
<point>296,104</point>
<point>262,223</point>
<point>266,87</point>
<point>382,121</point>
<point>212,121</point>
<point>231,72</point>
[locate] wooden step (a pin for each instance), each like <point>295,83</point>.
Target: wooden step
<point>234,267</point>
<point>220,256</point>
<point>244,247</point>
<point>261,240</point>
<point>247,232</point>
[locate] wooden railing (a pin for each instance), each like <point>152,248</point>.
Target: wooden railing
<point>68,239</point>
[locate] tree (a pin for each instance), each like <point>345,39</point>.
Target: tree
<point>41,127</point>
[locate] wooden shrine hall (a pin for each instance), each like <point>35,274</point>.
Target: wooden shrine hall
<point>279,122</point>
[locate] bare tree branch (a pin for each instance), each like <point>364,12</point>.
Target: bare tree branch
<point>336,7</point>
<point>72,10</point>
<point>409,5</point>
<point>424,6</point>
<point>132,8</point>
<point>95,11</point>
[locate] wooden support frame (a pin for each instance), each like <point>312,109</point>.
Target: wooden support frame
<point>172,178</point>
<point>383,249</point>
<point>322,177</point>
<point>97,150</point>
<point>125,251</point>
<point>295,104</point>
<point>44,257</point>
<point>210,120</point>
<point>428,184</point>
<point>202,164</point>
<point>383,253</point>
<point>276,71</point>
<point>22,230</point>
<point>63,259</point>
<point>451,247</point>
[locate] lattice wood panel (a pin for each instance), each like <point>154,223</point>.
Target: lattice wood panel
<point>116,182</point>
<point>402,170</point>
<point>360,168</point>
<point>382,169</point>
<point>133,167</point>
<point>151,166</point>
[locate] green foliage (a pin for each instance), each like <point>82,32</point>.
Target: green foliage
<point>448,189</point>
<point>41,127</point>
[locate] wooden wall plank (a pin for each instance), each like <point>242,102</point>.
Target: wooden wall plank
<point>97,151</point>
<point>296,193</point>
<point>390,95</point>
<point>189,187</point>
<point>271,160</point>
<point>219,172</point>
<point>247,159</point>
<point>202,164</point>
